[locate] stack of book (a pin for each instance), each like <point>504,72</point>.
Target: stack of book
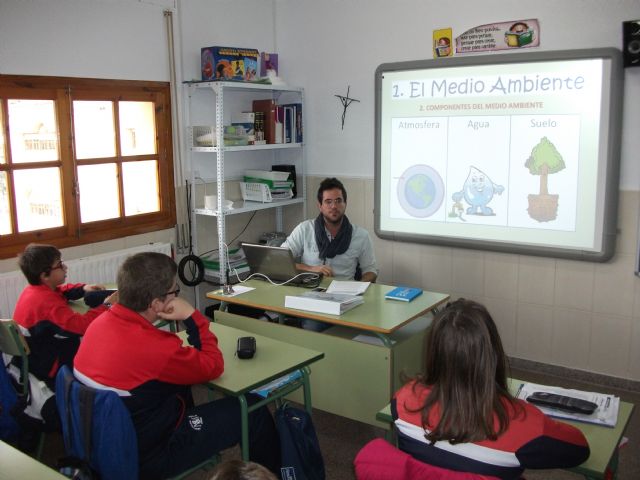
<point>282,123</point>
<point>279,186</point>
<point>236,263</point>
<point>323,302</point>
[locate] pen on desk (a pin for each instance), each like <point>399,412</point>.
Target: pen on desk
<point>517,395</point>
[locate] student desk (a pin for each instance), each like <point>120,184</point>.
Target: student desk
<point>355,377</point>
<point>15,464</point>
<point>272,360</point>
<point>603,441</point>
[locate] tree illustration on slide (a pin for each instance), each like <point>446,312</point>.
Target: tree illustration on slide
<point>544,161</point>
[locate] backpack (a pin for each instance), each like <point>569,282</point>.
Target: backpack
<point>9,428</point>
<point>98,433</point>
<point>301,455</point>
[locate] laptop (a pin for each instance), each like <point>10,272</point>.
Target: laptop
<point>278,264</point>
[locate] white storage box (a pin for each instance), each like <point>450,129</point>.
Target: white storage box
<point>202,136</point>
<point>256,192</point>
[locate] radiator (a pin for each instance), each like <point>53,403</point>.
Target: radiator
<point>95,269</point>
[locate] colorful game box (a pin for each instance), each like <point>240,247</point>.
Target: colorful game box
<point>229,63</point>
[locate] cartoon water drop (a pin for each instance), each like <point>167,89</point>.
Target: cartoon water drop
<point>478,190</point>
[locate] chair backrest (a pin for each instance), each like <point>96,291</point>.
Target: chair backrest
<point>379,460</point>
<point>11,339</point>
<point>97,428</point>
<point>13,343</point>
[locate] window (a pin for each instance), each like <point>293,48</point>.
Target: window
<point>83,160</point>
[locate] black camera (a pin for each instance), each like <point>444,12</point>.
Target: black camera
<point>246,347</point>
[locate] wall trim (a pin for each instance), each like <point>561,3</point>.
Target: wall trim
<point>579,375</point>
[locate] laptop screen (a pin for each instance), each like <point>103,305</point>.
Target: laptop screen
<point>277,263</point>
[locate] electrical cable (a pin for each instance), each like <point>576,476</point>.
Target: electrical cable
<point>234,238</point>
<point>191,264</point>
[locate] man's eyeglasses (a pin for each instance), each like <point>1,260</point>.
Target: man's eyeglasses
<point>176,292</point>
<point>329,202</point>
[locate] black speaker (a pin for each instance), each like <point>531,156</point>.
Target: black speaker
<point>292,175</point>
<point>631,43</point>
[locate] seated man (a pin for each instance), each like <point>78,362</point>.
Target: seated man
<point>51,327</point>
<point>152,372</point>
<point>330,244</point>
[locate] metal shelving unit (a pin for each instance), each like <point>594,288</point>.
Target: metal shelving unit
<point>243,93</point>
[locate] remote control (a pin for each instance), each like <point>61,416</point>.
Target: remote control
<point>561,402</point>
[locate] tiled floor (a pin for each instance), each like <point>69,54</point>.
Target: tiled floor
<point>341,439</point>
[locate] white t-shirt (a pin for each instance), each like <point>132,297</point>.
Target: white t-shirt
<point>302,243</point>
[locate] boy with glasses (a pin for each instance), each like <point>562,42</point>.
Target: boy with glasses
<point>50,326</point>
<point>152,371</point>
<point>52,331</point>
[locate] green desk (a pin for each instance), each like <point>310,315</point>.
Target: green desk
<point>16,464</point>
<point>603,441</point>
<point>355,377</point>
<point>272,360</point>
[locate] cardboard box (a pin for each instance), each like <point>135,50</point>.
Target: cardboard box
<point>229,63</point>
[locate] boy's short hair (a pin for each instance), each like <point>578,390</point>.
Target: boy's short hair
<point>241,470</point>
<point>143,277</point>
<point>37,259</point>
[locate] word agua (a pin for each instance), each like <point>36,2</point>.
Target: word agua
<point>470,86</point>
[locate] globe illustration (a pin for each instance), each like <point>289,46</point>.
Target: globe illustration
<point>420,191</point>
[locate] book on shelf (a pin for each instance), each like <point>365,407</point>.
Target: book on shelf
<point>295,121</point>
<point>272,184</point>
<point>348,287</point>
<point>291,170</point>
<point>268,109</point>
<point>275,180</point>
<point>404,294</point>
<point>323,302</point>
<point>606,414</point>
<point>258,126</point>
<point>289,134</point>
<point>267,174</point>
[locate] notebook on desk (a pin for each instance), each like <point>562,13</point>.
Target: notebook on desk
<point>278,264</point>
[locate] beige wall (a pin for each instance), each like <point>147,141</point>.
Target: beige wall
<point>574,314</point>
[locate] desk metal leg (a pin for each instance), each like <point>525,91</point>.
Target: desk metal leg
<point>224,306</point>
<point>244,419</point>
<point>385,340</point>
<point>306,386</point>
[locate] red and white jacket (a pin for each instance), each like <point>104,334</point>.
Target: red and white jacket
<point>532,440</point>
<point>51,327</point>
<point>149,368</point>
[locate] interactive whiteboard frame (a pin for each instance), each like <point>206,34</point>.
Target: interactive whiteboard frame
<point>606,173</point>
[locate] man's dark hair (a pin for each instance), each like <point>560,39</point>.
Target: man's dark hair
<point>330,184</point>
<point>143,277</point>
<point>37,259</point>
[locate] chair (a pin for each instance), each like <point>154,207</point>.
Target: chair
<point>12,343</point>
<point>379,460</point>
<point>98,430</point>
